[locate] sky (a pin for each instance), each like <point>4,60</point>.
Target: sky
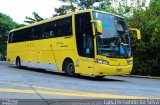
<point>18,9</point>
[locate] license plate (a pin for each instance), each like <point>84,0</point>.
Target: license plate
<point>119,70</point>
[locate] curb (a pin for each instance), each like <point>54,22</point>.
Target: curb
<point>139,76</point>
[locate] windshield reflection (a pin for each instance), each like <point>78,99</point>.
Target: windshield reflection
<point>115,40</point>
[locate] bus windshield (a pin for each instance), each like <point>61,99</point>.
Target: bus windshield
<point>115,39</point>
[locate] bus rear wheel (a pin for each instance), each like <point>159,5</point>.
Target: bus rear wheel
<point>18,63</point>
<point>69,68</point>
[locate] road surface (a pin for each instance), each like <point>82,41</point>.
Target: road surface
<point>40,84</point>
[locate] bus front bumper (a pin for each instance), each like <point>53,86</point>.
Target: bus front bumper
<point>106,70</point>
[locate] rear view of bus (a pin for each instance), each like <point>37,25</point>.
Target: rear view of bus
<point>87,42</point>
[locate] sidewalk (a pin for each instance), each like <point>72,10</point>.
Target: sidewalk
<point>139,76</point>
<point>2,62</point>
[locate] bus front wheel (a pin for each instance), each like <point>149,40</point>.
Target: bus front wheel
<point>18,63</point>
<point>69,68</point>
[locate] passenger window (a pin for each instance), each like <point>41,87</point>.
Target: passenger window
<point>57,28</point>
<point>10,39</point>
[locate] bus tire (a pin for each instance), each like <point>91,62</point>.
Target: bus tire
<point>69,67</point>
<point>18,63</point>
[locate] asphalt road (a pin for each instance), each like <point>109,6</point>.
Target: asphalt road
<point>40,84</point>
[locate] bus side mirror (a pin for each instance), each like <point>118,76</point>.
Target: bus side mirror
<point>99,26</point>
<point>137,31</point>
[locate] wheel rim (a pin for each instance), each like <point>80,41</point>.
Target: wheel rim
<point>70,68</point>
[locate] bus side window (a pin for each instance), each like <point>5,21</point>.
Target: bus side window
<point>63,27</point>
<point>57,28</point>
<point>17,36</point>
<point>10,37</point>
<point>37,32</point>
<point>52,33</point>
<point>47,30</point>
<point>26,34</point>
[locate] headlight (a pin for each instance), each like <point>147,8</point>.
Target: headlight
<point>102,61</point>
<point>130,62</point>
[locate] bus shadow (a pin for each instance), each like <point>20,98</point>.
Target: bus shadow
<point>91,78</point>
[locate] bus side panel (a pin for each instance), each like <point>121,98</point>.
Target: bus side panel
<point>53,52</point>
<point>15,50</point>
<point>10,54</point>
<point>66,48</point>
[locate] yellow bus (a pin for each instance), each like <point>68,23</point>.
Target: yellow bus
<point>87,42</point>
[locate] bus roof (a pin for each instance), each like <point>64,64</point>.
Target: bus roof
<point>59,17</point>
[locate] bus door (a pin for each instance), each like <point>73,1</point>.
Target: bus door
<point>84,41</point>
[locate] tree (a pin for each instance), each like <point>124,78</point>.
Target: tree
<point>146,53</point>
<point>6,24</point>
<point>35,18</point>
<point>72,5</point>
<point>64,9</point>
<point>120,7</point>
<point>123,8</point>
